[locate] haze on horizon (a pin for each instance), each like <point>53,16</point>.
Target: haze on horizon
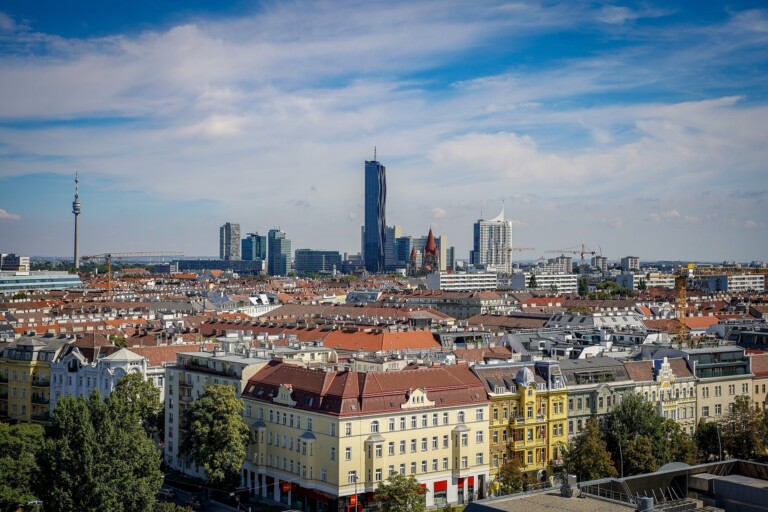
<point>635,127</point>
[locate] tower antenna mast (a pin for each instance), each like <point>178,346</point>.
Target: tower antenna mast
<point>76,211</point>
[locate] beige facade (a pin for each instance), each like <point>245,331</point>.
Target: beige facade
<point>328,440</point>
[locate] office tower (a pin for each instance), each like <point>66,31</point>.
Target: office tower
<point>391,235</point>
<point>493,243</point>
<point>76,211</point>
<point>317,262</point>
<point>374,238</point>
<point>278,253</point>
<point>254,247</point>
<point>229,242</point>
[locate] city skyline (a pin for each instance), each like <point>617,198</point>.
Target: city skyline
<point>636,128</point>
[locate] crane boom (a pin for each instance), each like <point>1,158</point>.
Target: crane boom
<point>583,250</point>
<point>107,256</point>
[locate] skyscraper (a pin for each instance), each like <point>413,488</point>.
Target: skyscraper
<point>229,241</point>
<point>254,247</point>
<point>278,253</point>
<point>374,239</point>
<point>493,243</point>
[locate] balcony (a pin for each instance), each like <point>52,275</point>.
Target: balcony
<point>185,384</point>
<point>41,383</point>
<point>40,399</point>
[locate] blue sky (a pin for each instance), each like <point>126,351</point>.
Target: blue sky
<point>636,127</point>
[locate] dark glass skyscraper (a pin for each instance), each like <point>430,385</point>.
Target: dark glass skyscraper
<point>375,223</point>
<point>279,253</point>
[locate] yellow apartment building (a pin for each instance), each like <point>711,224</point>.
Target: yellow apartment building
<point>325,441</point>
<point>25,380</point>
<point>528,415</point>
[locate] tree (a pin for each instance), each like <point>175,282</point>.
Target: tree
<point>94,457</point>
<point>583,287</point>
<point>587,456</point>
<point>142,398</point>
<point>743,430</point>
<point>18,445</point>
<point>708,440</point>
<point>641,285</point>
<point>532,282</point>
<point>166,506</point>
<point>638,456</point>
<point>510,477</point>
<point>216,436</point>
<point>400,493</point>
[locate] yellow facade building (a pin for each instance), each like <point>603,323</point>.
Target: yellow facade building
<point>528,415</point>
<point>325,441</point>
<point>25,380</point>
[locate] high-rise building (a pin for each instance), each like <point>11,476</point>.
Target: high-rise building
<point>316,262</point>
<point>278,253</point>
<point>229,241</point>
<point>493,243</point>
<point>392,233</point>
<point>630,263</point>
<point>374,238</point>
<point>254,247</point>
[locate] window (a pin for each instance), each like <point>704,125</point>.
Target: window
<point>434,419</point>
<point>578,403</point>
<point>434,464</point>
<point>391,448</point>
<point>530,411</point>
<point>333,429</point>
<point>352,477</point>
<point>445,418</point>
<point>348,429</point>
<point>402,423</point>
<point>271,416</point>
<point>434,443</point>
<point>423,466</point>
<point>391,470</point>
<point>461,417</point>
<point>530,434</point>
<point>423,444</point>
<point>505,414</point>
<point>504,435</point>
<point>705,411</point>
<point>378,475</point>
<point>347,453</point>
<point>530,457</point>
<point>391,424</point>
<point>495,436</point>
<point>718,390</point>
<point>600,402</point>
<point>402,446</point>
<point>718,410</point>
<point>495,460</point>
<point>479,436</point>
<point>479,415</point>
<point>731,389</point>
<point>705,392</point>
<point>413,422</point>
<point>495,415</point>
<point>464,439</point>
<point>378,451</point>
<point>445,441</point>
<point>309,424</point>
<point>424,423</point>
<point>413,445</point>
<point>413,468</point>
<point>745,388</point>
<point>479,459</point>
<point>445,462</point>
<point>402,469</point>
<point>374,427</point>
<point>464,462</point>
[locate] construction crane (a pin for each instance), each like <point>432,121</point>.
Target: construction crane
<point>579,249</point>
<point>691,270</point>
<point>109,255</point>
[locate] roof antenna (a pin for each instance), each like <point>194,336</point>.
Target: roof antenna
<point>374,153</point>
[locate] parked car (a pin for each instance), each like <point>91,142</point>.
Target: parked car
<point>194,503</point>
<point>166,493</point>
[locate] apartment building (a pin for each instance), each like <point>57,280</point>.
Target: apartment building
<point>186,380</point>
<point>721,374</point>
<point>25,378</point>
<point>326,440</point>
<point>669,385</point>
<point>528,415</point>
<point>595,386</point>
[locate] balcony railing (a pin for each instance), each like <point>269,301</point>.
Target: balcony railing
<point>41,383</point>
<point>40,399</point>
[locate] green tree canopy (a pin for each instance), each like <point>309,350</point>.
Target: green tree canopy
<point>587,456</point>
<point>400,493</point>
<point>141,398</point>
<point>708,440</point>
<point>583,287</point>
<point>216,436</point>
<point>95,457</point>
<point>743,430</point>
<point>532,282</point>
<point>638,456</point>
<point>510,478</point>
<point>18,447</point>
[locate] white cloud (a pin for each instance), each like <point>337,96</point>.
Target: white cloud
<point>439,213</point>
<point>614,222</point>
<point>5,215</point>
<point>750,224</point>
<point>672,216</point>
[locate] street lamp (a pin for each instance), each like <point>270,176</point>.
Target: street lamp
<point>719,443</point>
<point>355,503</point>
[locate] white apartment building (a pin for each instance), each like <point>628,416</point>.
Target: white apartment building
<point>556,283</point>
<point>462,282</point>
<point>493,243</point>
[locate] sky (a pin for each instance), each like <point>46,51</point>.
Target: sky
<point>634,128</point>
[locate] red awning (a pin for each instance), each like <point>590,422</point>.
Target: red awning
<point>461,482</point>
<point>471,481</point>
<point>441,485</point>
